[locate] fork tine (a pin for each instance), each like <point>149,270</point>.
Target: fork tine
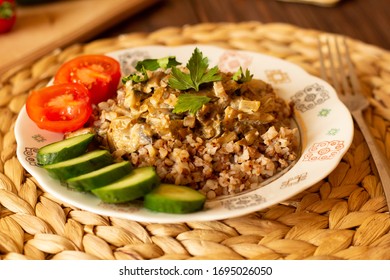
<point>352,73</point>
<point>323,68</point>
<point>342,71</point>
<point>332,67</point>
<point>346,80</point>
<point>322,60</point>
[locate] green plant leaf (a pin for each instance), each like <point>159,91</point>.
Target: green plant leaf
<point>139,77</point>
<point>240,77</point>
<point>198,74</point>
<point>190,102</point>
<point>154,64</point>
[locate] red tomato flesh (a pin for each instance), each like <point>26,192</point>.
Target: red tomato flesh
<point>60,108</point>
<point>99,73</point>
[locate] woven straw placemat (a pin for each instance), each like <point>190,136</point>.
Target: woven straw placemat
<point>344,216</point>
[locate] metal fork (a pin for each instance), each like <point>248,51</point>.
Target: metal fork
<point>343,77</point>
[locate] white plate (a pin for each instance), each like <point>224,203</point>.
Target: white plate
<point>324,122</point>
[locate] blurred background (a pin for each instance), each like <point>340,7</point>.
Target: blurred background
<point>366,20</point>
<point>33,28</point>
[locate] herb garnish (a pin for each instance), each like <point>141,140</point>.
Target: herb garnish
<point>154,64</point>
<point>190,102</point>
<point>198,74</point>
<point>150,65</point>
<point>139,77</point>
<point>240,77</point>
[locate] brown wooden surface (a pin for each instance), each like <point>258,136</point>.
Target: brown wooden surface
<point>365,20</point>
<point>41,28</point>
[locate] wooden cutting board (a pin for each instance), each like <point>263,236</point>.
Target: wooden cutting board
<point>42,28</point>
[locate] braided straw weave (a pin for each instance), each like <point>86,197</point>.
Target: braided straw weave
<point>344,216</point>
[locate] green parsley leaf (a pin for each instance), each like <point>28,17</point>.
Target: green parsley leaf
<point>180,80</point>
<point>139,77</point>
<point>240,77</point>
<point>190,102</point>
<point>197,65</point>
<point>154,64</point>
<point>150,65</point>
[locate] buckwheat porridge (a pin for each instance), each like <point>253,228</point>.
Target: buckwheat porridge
<point>223,134</point>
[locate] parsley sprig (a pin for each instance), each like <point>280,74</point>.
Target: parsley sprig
<point>241,77</point>
<point>154,64</point>
<point>198,73</point>
<point>150,65</point>
<point>190,102</point>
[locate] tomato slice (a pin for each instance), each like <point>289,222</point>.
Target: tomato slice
<point>60,108</point>
<point>99,73</point>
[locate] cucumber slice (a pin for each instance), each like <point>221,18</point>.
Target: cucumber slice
<point>64,149</point>
<point>80,165</point>
<point>171,198</point>
<point>135,185</point>
<point>100,177</point>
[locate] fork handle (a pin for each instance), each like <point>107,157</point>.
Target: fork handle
<point>381,161</point>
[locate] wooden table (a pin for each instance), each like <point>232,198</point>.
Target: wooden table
<point>365,20</point>
<point>65,22</point>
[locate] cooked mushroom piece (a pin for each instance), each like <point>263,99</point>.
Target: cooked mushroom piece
<point>123,134</point>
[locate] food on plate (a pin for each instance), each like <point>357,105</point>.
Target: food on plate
<point>100,177</point>
<point>7,15</point>
<point>85,163</point>
<point>79,83</point>
<point>63,150</point>
<point>60,108</point>
<point>171,198</point>
<point>115,182</point>
<point>136,184</point>
<point>99,73</point>
<point>173,135</point>
<point>218,133</point>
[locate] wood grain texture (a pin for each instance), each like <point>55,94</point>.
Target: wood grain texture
<point>42,28</point>
<point>364,20</point>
